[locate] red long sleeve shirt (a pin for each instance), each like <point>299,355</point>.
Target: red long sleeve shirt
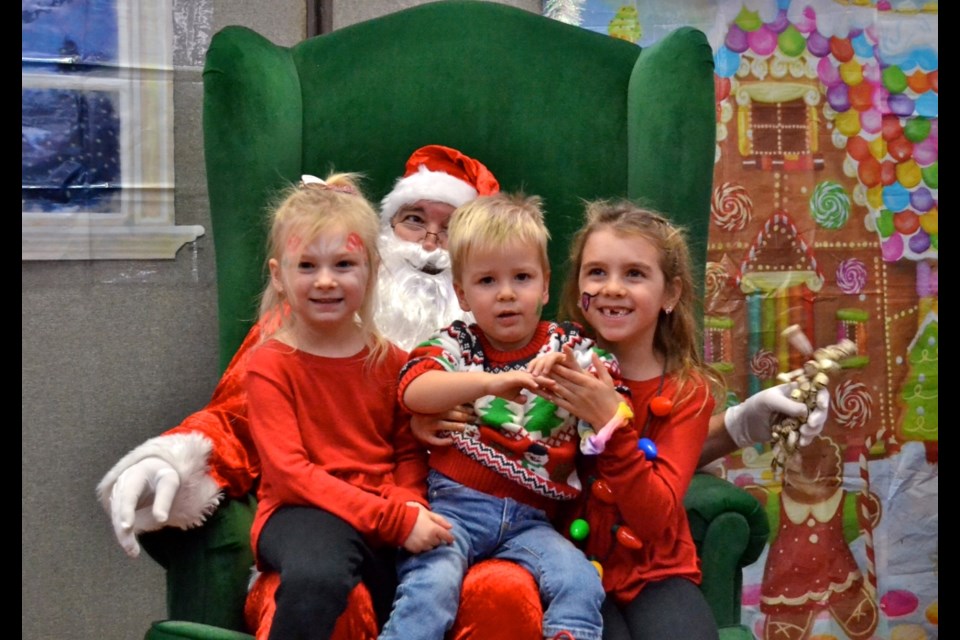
<point>330,434</point>
<point>648,494</point>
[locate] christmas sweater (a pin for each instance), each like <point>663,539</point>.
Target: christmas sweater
<point>525,451</point>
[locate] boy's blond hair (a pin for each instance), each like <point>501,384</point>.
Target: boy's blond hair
<point>494,221</point>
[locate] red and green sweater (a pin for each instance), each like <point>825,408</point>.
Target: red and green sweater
<point>524,451</point>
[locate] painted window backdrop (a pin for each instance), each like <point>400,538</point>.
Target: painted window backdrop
<point>70,137</point>
<point>96,131</point>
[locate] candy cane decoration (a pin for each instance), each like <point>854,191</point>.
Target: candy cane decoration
<point>864,512</point>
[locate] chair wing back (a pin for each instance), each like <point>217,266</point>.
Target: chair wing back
<point>551,109</point>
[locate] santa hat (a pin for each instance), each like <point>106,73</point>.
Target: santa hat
<point>442,174</point>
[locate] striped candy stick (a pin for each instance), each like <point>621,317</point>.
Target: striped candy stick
<point>866,521</point>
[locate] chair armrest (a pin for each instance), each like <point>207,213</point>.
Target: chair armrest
<point>208,568</point>
<point>730,529</point>
<point>180,630</point>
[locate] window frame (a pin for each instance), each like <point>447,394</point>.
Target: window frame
<point>146,227</point>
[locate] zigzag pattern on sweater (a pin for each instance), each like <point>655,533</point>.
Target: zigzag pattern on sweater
<point>508,468</point>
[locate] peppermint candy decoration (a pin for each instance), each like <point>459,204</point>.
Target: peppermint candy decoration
<point>764,365</point>
<point>851,276</point>
<point>731,207</point>
<point>852,404</point>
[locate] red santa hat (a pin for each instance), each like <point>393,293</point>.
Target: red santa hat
<point>442,174</point>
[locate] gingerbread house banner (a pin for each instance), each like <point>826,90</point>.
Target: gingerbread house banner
<point>825,215</point>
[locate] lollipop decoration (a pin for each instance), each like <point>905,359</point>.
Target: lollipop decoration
<point>807,381</point>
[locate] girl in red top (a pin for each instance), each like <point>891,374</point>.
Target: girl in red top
<point>630,280</point>
<point>342,479</point>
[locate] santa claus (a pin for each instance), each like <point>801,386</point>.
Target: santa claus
<point>415,291</point>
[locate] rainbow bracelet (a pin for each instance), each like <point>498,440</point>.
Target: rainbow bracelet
<point>598,442</point>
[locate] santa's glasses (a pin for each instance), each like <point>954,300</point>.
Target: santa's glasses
<point>418,232</point>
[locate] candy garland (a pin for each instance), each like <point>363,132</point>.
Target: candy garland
<point>807,381</point>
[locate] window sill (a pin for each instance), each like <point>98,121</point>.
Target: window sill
<point>105,243</point>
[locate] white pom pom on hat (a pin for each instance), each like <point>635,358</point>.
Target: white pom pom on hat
<point>441,174</point>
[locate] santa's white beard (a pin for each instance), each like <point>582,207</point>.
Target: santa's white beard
<point>415,295</point>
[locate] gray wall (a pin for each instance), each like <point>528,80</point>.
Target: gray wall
<point>114,352</point>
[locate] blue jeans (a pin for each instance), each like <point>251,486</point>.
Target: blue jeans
<point>488,527</point>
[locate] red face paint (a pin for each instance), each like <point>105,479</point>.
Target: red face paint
<point>293,242</point>
<point>585,299</point>
<point>354,243</point>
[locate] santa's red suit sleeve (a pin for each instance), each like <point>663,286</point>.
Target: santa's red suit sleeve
<point>211,450</point>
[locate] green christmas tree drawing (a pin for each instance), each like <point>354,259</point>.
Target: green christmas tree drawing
<point>920,390</point>
<point>542,418</point>
<point>497,413</point>
<point>625,25</point>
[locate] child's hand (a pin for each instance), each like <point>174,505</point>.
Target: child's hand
<point>430,531</point>
<point>435,430</point>
<point>542,365</point>
<point>509,384</point>
<point>589,396</point>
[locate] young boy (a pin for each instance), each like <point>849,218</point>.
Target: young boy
<point>499,485</point>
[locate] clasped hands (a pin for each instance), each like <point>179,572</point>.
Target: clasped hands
<point>557,377</point>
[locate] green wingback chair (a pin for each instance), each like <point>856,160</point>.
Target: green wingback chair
<point>551,109</point>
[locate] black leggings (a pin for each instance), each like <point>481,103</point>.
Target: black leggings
<point>669,608</point>
<point>320,559</point>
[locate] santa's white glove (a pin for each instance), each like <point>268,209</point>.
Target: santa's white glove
<point>751,421</point>
<point>141,499</point>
